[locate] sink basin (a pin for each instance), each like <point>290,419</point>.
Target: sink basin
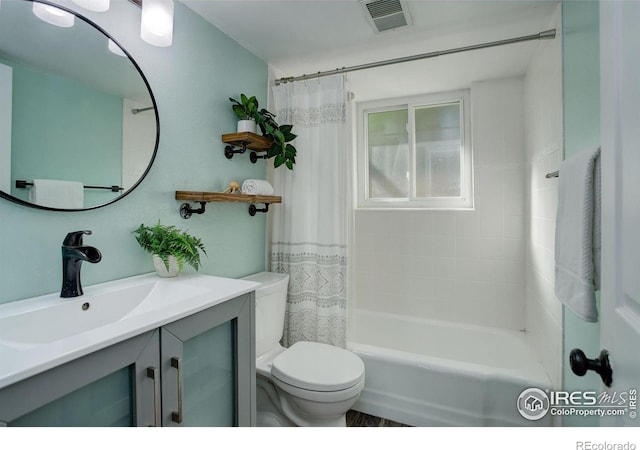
<point>50,318</point>
<point>42,332</point>
<point>63,318</point>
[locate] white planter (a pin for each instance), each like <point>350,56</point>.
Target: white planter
<point>161,269</point>
<point>247,125</point>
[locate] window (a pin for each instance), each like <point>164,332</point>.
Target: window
<point>415,153</point>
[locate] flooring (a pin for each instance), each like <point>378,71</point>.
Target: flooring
<point>359,419</point>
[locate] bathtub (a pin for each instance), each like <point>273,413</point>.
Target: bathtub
<point>428,373</point>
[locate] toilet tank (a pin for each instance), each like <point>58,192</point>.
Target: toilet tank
<point>271,300</point>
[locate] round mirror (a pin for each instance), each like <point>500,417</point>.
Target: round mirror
<point>79,127</point>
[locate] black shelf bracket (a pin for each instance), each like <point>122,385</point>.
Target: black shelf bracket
<point>229,150</point>
<point>186,210</point>
<point>253,209</point>
<point>254,157</point>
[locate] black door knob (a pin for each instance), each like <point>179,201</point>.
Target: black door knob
<point>580,364</point>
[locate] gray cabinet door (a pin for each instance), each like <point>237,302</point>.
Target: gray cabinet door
<point>111,387</point>
<point>208,367</point>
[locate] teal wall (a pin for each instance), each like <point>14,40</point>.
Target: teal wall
<point>191,81</point>
<point>581,66</point>
<point>52,152</point>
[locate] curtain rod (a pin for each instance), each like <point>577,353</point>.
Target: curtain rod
<point>548,34</point>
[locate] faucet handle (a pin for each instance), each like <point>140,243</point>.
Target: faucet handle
<point>74,238</point>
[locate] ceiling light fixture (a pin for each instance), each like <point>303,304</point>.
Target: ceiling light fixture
<point>156,25</point>
<point>53,15</point>
<point>93,5</point>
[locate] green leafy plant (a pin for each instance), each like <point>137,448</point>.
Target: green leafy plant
<point>280,136</point>
<point>246,108</point>
<point>167,240</point>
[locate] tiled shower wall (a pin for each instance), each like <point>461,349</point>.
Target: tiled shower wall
<point>543,97</point>
<point>464,266</point>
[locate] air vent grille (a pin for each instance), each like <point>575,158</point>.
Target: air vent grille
<point>385,14</point>
<point>379,8</point>
<point>390,22</point>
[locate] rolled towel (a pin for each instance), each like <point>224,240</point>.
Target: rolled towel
<point>257,187</point>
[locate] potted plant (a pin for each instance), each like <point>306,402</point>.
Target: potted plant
<point>245,109</point>
<point>170,247</point>
<point>280,136</point>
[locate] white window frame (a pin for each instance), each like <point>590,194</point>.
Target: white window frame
<point>464,201</point>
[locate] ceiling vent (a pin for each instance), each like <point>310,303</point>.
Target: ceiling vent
<point>386,15</point>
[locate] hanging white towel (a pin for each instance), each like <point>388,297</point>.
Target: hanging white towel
<point>577,248</point>
<point>257,187</point>
<point>57,194</point>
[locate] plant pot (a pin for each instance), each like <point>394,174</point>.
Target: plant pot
<point>246,125</point>
<point>161,269</point>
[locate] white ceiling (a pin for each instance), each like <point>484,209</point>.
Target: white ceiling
<point>307,36</point>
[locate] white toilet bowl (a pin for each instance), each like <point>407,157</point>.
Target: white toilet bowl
<point>307,384</point>
<point>315,384</point>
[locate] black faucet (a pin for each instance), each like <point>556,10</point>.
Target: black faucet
<point>73,253</point>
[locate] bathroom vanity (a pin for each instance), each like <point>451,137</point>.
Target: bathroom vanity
<point>144,351</point>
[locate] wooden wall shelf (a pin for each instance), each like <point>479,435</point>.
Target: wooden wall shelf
<point>251,140</point>
<point>243,141</point>
<point>204,197</point>
<point>195,196</point>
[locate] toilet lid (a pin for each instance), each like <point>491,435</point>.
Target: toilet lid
<point>318,367</point>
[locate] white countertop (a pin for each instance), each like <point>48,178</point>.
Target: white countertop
<point>167,300</point>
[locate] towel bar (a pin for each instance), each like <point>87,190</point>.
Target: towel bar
<point>22,184</point>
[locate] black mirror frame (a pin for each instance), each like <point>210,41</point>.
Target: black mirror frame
<point>155,110</point>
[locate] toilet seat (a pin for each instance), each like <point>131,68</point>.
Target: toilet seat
<point>321,368</point>
<point>320,396</point>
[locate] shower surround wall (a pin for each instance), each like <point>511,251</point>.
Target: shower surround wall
<point>544,138</point>
<point>462,266</point>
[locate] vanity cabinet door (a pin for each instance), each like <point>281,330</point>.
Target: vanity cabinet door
<point>208,367</point>
<point>111,387</point>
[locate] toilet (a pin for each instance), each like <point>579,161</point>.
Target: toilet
<point>308,384</point>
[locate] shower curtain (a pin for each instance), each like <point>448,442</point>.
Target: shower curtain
<point>309,231</point>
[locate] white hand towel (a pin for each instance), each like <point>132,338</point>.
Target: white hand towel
<point>57,194</point>
<point>577,249</point>
<point>257,187</point>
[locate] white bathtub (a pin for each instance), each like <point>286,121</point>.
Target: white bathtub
<point>427,373</point>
